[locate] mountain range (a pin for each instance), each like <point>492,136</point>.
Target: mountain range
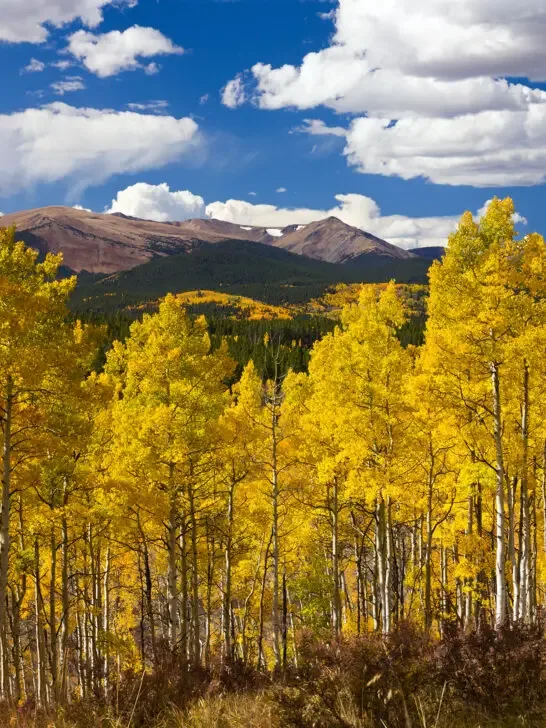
<point>124,262</point>
<point>109,243</point>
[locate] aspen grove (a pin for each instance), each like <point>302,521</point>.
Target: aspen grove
<point>154,509</point>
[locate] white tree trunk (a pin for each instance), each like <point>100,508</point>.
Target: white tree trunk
<point>500,560</point>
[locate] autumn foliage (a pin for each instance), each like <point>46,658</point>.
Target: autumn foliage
<point>377,522</point>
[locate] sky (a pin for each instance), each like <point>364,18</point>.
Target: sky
<point>394,116</point>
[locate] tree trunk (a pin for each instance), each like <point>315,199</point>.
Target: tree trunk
<point>500,559</point>
<point>336,596</point>
<point>226,606</point>
<point>148,588</point>
<point>53,635</point>
<point>65,618</point>
<point>106,624</point>
<point>275,526</point>
<point>183,591</point>
<point>41,695</point>
<point>5,504</point>
<point>525,545</point>
<point>468,614</point>
<point>512,556</point>
<point>172,574</point>
<point>195,618</point>
<point>383,563</point>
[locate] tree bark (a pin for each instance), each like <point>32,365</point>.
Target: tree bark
<point>525,545</point>
<point>500,555</point>
<point>5,503</point>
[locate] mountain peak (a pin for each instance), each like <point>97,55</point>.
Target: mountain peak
<point>336,241</point>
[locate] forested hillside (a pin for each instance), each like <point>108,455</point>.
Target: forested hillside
<point>242,268</point>
<point>352,537</point>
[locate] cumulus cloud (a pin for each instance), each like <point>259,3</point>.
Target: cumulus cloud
<point>356,210</point>
<point>432,56</point>
<point>422,74</point>
<point>282,189</point>
<point>336,79</point>
<point>25,21</point>
<point>157,202</point>
<point>109,53</point>
<point>485,150</point>
<point>233,94</point>
<point>87,145</point>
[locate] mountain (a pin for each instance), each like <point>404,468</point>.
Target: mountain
<point>334,241</point>
<point>100,243</point>
<point>432,252</point>
<point>110,243</point>
<point>241,267</point>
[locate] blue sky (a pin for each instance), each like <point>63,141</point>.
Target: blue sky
<point>370,106</point>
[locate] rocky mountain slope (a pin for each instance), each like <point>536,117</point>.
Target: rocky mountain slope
<point>335,242</point>
<point>103,243</point>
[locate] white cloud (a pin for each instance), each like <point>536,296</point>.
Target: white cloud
<point>204,99</point>
<point>316,127</point>
<point>34,66</point>
<point>26,20</point>
<point>152,68</point>
<point>429,58</point>
<point>253,194</point>
<point>484,150</point>
<point>62,65</point>
<point>68,85</point>
<point>338,80</point>
<point>442,39</point>
<point>155,107</point>
<point>356,210</point>
<point>440,69</point>
<point>282,189</point>
<point>157,202</point>
<point>87,145</point>
<point>109,53</point>
<point>233,94</point>
<point>79,207</point>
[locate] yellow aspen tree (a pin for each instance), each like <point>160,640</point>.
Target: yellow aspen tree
<point>357,377</point>
<point>170,390</point>
<point>32,338</point>
<point>480,303</point>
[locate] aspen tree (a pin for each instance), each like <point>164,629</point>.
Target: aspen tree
<point>481,301</point>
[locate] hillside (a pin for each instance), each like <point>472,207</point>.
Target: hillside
<point>431,252</point>
<point>104,243</point>
<point>259,271</point>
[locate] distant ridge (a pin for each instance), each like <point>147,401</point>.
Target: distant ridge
<point>432,252</point>
<point>110,243</point>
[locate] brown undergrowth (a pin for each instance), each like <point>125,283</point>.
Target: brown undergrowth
<point>483,678</point>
